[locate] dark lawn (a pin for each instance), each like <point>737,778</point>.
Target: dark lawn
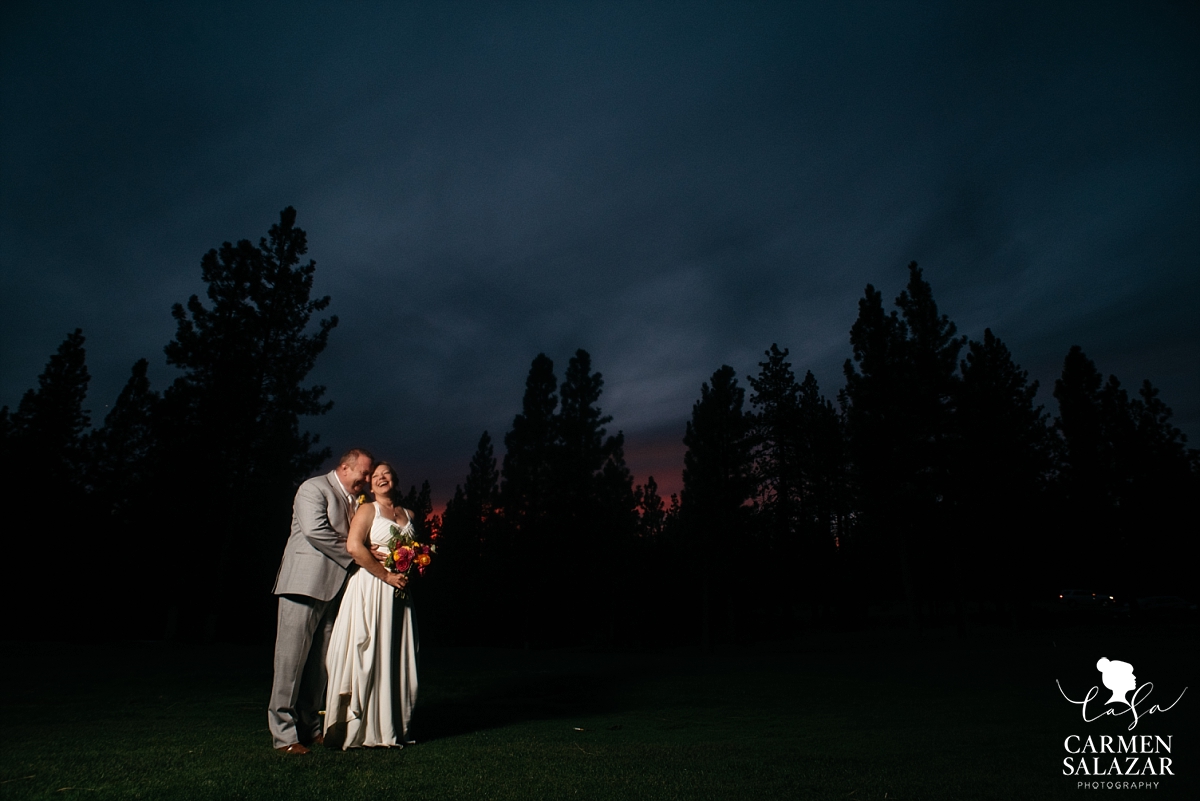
<point>869,715</point>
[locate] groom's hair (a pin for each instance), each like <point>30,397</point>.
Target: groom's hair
<point>352,455</point>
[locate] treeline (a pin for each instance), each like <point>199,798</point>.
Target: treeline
<point>936,485</point>
<point>168,518</point>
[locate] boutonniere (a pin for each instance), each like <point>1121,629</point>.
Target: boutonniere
<point>361,499</point>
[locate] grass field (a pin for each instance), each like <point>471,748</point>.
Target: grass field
<point>848,716</point>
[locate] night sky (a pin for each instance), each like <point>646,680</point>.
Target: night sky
<point>672,187</point>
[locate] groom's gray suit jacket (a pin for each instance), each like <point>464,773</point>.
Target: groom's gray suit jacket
<point>315,560</point>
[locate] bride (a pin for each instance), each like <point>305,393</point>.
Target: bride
<point>372,658</point>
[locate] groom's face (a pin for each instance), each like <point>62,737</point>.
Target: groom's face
<point>362,474</point>
<point>357,474</point>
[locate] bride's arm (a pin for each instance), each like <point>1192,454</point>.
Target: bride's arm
<point>359,546</point>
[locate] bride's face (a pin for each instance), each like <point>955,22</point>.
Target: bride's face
<point>382,480</point>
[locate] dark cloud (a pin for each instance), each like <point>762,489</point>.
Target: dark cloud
<point>671,188</point>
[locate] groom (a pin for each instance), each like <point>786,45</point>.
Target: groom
<point>311,577</point>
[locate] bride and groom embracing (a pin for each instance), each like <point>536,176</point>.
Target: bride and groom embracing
<point>344,642</point>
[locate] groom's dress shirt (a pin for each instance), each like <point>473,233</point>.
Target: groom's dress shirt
<point>351,508</point>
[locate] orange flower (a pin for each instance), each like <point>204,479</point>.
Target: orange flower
<point>423,559</point>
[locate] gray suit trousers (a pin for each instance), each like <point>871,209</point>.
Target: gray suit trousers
<point>298,692</point>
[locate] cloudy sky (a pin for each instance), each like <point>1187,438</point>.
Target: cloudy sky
<point>670,186</point>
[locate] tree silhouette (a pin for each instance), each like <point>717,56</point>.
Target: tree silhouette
<point>245,358</point>
<point>1088,474</point>
<point>718,481</point>
<point>593,502</point>
<point>474,564</point>
<point>899,413</point>
<point>527,492</point>
<point>826,497</point>
<point>125,449</point>
<point>1124,479</point>
<point>421,504</point>
<point>51,421</point>
<point>777,459</point>
<point>581,435</point>
<point>131,493</point>
<point>235,411</point>
<point>529,459</point>
<point>1001,461</point>
<point>48,429</point>
<point>652,512</point>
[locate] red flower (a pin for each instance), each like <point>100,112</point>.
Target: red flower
<point>404,557</point>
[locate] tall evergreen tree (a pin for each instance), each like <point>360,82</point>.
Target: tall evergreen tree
<point>1002,461</point>
<point>527,493</point>
<point>51,421</point>
<point>475,563</point>
<point>1125,481</point>
<point>125,454</point>
<point>133,493</point>
<point>49,430</point>
<point>777,461</point>
<point>821,454</point>
<point>529,459</point>
<point>421,504</point>
<point>652,512</point>
<point>899,412</point>
<point>876,438</point>
<point>582,443</point>
<point>235,410</point>
<point>594,503</point>
<point>1087,476</point>
<point>718,481</point>
<point>245,358</point>
<point>483,481</point>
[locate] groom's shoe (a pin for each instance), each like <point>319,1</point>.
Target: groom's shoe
<point>319,739</point>
<point>294,748</point>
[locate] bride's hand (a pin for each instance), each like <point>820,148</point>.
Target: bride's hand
<point>397,580</point>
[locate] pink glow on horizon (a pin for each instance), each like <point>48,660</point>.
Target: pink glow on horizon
<point>661,457</point>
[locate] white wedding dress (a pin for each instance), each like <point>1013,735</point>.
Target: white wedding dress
<point>372,660</point>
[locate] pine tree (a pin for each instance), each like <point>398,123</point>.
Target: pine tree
<point>529,459</point>
<point>51,421</point>
<point>582,443</point>
<point>483,481</point>
<point>527,493</point>
<point>234,413</point>
<point>821,454</point>
<point>1001,464</point>
<point>245,358</point>
<point>652,512</point>
<point>718,481</point>
<point>1125,481</point>
<point>1086,479</point>
<point>49,429</point>
<point>421,504</point>
<point>594,502</point>
<point>777,460</point>
<point>125,450</point>
<point>899,411</point>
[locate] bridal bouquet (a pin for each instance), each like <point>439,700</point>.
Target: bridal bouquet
<point>405,553</point>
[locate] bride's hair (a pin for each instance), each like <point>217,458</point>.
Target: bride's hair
<point>394,494</point>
